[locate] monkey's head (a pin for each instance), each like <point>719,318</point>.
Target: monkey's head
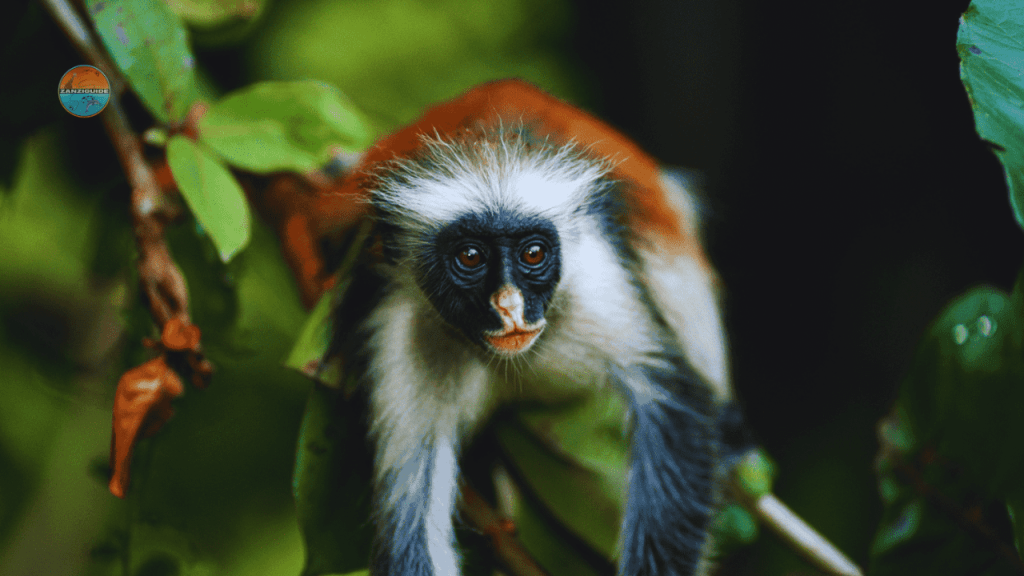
<point>482,227</point>
<point>491,274</point>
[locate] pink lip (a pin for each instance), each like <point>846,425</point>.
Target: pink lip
<point>512,342</point>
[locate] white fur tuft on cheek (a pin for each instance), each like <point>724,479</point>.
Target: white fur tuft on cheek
<point>608,313</point>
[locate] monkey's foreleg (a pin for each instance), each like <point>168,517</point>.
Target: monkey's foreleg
<point>672,475</point>
<point>415,495</point>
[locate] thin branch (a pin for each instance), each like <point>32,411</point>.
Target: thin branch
<point>511,554</point>
<point>161,279</point>
<point>774,514</point>
<point>139,408</point>
<point>82,39</point>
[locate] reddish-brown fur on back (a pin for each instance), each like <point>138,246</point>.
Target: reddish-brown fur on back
<point>512,101</point>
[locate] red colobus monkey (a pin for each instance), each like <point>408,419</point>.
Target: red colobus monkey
<point>513,226</point>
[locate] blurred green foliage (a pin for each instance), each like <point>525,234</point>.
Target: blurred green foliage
<point>945,473</point>
<point>275,126</point>
<point>393,57</point>
<point>215,497</point>
<point>211,493</point>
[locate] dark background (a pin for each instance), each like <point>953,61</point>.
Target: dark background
<point>847,200</point>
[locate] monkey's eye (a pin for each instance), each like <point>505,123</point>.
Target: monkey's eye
<point>533,255</point>
<point>470,257</point>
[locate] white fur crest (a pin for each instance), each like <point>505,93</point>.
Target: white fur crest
<point>499,172</point>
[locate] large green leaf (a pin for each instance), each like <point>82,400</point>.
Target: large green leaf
<point>945,473</point>
<point>964,394</point>
<point>309,355</point>
<point>274,126</point>
<point>991,47</point>
<point>566,451</point>
<point>150,46</point>
<point>332,489</point>
<point>212,193</point>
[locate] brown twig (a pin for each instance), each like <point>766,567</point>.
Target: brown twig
<point>161,279</point>
<point>514,559</point>
<point>82,39</point>
<point>142,402</point>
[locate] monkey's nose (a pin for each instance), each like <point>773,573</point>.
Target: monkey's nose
<point>509,303</point>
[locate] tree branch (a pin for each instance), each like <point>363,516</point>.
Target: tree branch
<point>774,514</point>
<point>82,39</point>
<point>514,559</point>
<point>142,400</point>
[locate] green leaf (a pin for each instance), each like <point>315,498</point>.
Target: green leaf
<point>211,13</point>
<point>755,473</point>
<point>311,353</point>
<point>212,193</point>
<point>274,126</point>
<point>550,545</point>
<point>918,535</point>
<point>733,527</point>
<point>566,450</point>
<point>217,311</point>
<point>1015,509</point>
<point>216,23</point>
<point>991,46</point>
<point>946,477</point>
<point>150,46</point>
<point>964,392</point>
<point>331,484</point>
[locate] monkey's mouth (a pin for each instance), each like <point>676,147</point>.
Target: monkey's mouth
<point>513,341</point>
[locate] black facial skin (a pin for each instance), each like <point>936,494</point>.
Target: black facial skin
<point>474,256</point>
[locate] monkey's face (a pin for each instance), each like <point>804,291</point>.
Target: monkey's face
<point>492,276</point>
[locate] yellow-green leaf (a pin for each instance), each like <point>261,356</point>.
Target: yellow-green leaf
<point>150,46</point>
<point>213,194</point>
<point>273,126</point>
